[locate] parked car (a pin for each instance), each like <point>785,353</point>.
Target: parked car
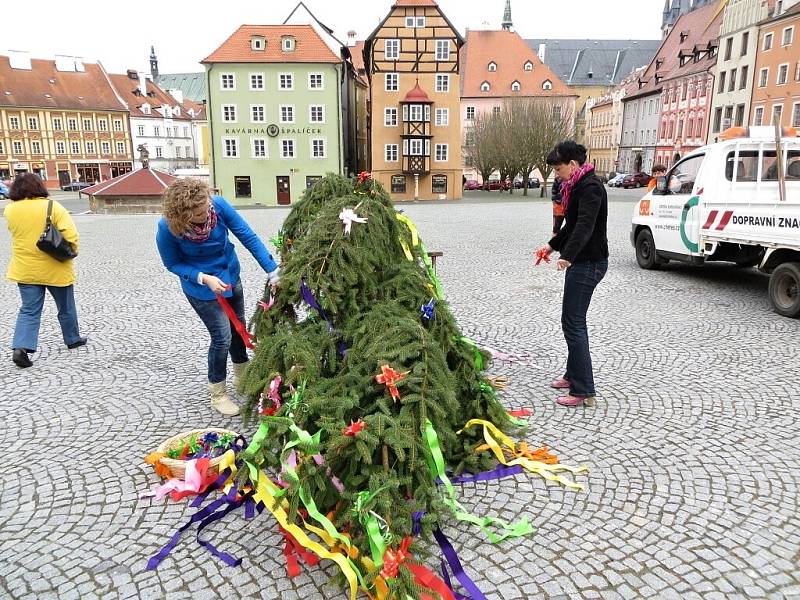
<point>76,186</point>
<point>3,191</point>
<point>639,179</point>
<point>616,181</point>
<point>495,184</point>
<point>472,184</point>
<point>533,183</point>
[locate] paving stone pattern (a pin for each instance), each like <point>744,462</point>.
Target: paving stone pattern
<point>693,485</point>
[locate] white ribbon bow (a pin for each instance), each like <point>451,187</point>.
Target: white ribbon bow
<point>348,217</point>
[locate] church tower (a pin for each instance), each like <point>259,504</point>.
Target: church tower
<point>153,65</point>
<point>508,24</point>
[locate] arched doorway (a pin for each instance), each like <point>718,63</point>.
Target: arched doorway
<point>637,164</point>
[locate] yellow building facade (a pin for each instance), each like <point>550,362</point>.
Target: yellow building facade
<point>412,62</point>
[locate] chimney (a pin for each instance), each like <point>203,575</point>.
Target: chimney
<point>351,39</point>
<point>142,83</point>
<point>541,53</point>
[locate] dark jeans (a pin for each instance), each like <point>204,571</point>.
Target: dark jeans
<point>579,284</point>
<point>26,333</point>
<point>224,338</point>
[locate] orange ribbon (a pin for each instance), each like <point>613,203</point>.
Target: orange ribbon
<point>390,378</point>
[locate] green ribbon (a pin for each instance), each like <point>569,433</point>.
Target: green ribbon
<point>431,273</point>
<point>475,349</point>
<point>435,460</point>
<point>296,398</point>
<point>279,240</point>
<point>377,544</point>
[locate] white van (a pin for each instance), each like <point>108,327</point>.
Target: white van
<point>731,201</point>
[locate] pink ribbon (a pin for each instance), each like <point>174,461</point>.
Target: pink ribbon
<point>194,482</point>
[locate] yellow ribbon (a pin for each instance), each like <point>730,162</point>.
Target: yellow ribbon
<point>414,235</point>
<point>548,472</point>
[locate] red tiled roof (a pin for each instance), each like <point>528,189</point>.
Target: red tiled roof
<point>510,53</point>
<point>128,88</point>
<point>309,46</point>
<point>198,107</point>
<point>141,182</point>
<point>43,86</point>
<point>415,3</point>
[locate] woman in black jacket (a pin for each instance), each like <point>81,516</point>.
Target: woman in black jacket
<point>583,246</point>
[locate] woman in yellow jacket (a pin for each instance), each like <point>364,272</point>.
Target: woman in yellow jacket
<point>34,271</point>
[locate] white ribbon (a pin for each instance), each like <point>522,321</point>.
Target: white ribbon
<point>348,217</point>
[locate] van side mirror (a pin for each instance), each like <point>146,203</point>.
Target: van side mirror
<point>661,187</point>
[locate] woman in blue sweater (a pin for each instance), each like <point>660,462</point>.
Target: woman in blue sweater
<point>193,243</point>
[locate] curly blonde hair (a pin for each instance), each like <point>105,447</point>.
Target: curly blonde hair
<point>181,199</point>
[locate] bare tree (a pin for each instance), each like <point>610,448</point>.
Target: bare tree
<point>548,122</point>
<point>481,145</point>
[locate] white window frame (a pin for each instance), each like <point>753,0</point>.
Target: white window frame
<point>61,147</point>
<point>391,77</point>
<point>790,30</point>
<point>390,117</point>
<point>87,121</point>
<point>105,148</point>
<point>415,113</point>
<point>470,113</point>
<point>102,125</point>
<point>415,22</point>
<point>57,124</point>
<point>281,110</point>
<point>222,79</point>
<point>283,150</point>
<point>72,124</point>
<point>140,130</point>
<point>547,84</point>
<point>117,124</point>
<point>442,117</point>
<point>120,147</point>
<point>758,116</point>
<point>442,50</point>
<point>442,79</point>
<point>321,85</point>
<point>486,86</point>
<point>391,49</point>
<point>516,86</point>
<point>17,148</point>
<point>492,67</point>
<point>156,131</point>
<point>528,66</point>
<point>389,151</point>
<point>254,88</point>
<point>778,105</point>
<point>75,147</point>
<point>445,152</point>
<point>290,79</point>
<point>159,152</point>
<point>767,47</point>
<point>34,144</point>
<point>253,153</point>
<point>324,148</point>
<point>794,121</point>
<point>225,119</point>
<point>763,77</point>
<point>178,152</point>
<point>225,149</point>
<point>415,147</point>
<point>287,44</point>
<point>311,113</point>
<point>253,108</point>
<point>778,76</point>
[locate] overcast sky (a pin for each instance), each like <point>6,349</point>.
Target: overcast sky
<point>183,33</point>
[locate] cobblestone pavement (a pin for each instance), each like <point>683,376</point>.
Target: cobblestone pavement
<point>693,485</point>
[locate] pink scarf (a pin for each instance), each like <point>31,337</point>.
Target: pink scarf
<point>566,186</point>
<point>200,233</point>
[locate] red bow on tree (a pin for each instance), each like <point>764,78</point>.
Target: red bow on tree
<point>390,378</point>
<point>354,428</point>
<point>364,176</point>
<point>392,559</point>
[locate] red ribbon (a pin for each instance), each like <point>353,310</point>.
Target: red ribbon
<point>247,337</point>
<point>520,413</point>
<point>292,550</point>
<point>541,255</point>
<point>425,578</point>
<point>363,176</point>
<point>392,559</point>
<point>390,378</point>
<point>354,428</point>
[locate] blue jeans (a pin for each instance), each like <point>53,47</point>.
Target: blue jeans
<point>224,338</point>
<point>579,284</point>
<point>26,333</point>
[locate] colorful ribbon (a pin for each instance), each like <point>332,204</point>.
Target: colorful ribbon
<point>542,255</point>
<point>475,350</point>
<point>195,481</point>
<point>428,310</point>
<point>247,337</point>
<point>417,243</point>
<point>390,378</point>
<point>348,216</point>
<point>455,565</point>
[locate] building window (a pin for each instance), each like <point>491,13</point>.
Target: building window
<point>777,114</point>
<point>120,147</point>
<point>169,131</point>
<point>13,122</point>
<point>441,153</point>
<point>398,184</point>
<point>102,125</point>
<point>415,147</point>
<point>140,129</point>
<point>796,115</point>
<point>159,152</point>
<point>287,149</point>
<point>185,131</point>
<point>745,43</point>
<point>317,113</point>
<point>783,74</point>
<point>515,87</point>
<point>728,48</point>
<point>492,66</point>
<point>547,85</point>
<point>415,22</point>
<point>390,117</point>
<point>469,139</point>
<point>496,111</point>
<point>288,44</point>
<point>105,147</point>
<point>443,83</point>
<point>415,112</point>
<point>439,184</point>
<point>470,113</point>
<point>56,124</point>
<point>739,120</point>
<point>717,120</point>
<point>286,81</point>
<point>721,87</point>
<point>256,81</point>
<point>767,42</point>
<point>529,66</point>
<point>227,81</point>
<point>188,151</point>
<point>156,131</point>
<point>787,37</point>
<point>259,148</point>
<point>797,71</point>
<point>87,124</point>
<point>743,79</point>
<point>391,82</point>
<point>72,124</point>
<point>442,117</point>
<point>287,114</point>
<point>117,124</point>
<point>145,109</point>
<point>242,188</point>
<point>257,114</point>
<point>732,81</point>
<point>763,77</point>
<point>316,81</point>
<point>230,147</point>
<point>257,43</point>
<point>36,147</point>
<point>442,49</point>
<point>318,148</point>
<point>228,113</point>
<point>391,152</point>
<point>61,148</point>
<point>758,116</point>
<point>392,51</point>
<point>33,123</point>
<point>16,147</point>
<point>75,147</point>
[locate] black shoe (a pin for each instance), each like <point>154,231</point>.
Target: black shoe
<point>21,359</point>
<point>81,342</point>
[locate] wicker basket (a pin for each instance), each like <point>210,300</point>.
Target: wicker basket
<point>178,467</point>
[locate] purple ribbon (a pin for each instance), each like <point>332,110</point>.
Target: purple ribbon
<point>458,571</point>
<point>311,300</point>
<point>500,472</point>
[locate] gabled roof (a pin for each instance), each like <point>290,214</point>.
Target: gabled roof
<point>415,3</point>
<point>193,85</point>
<point>309,46</point>
<point>608,61</point>
<point>509,52</point>
<point>44,86</point>
<point>128,88</point>
<point>141,182</point>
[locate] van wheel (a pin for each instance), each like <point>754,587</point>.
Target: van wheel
<point>646,251</point>
<point>784,289</point>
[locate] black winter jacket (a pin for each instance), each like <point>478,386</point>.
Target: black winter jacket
<point>583,237</point>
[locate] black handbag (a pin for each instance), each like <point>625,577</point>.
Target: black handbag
<point>52,242</point>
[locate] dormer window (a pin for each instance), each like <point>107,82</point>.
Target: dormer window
<point>529,66</point>
<point>684,35</point>
<point>145,109</point>
<point>485,87</point>
<point>547,85</point>
<point>493,66</point>
<point>515,87</point>
<point>287,43</point>
<point>258,43</point>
